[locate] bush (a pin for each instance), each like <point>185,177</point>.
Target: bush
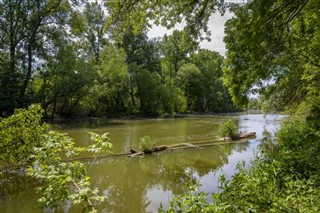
<point>265,187</point>
<point>300,148</point>
<point>146,145</point>
<point>228,129</point>
<point>191,201</point>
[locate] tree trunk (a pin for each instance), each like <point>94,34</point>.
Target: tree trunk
<point>132,94</point>
<point>28,74</point>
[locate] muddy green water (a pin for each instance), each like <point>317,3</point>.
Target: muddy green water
<point>142,184</point>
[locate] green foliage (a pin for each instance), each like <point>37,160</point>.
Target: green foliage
<point>254,104</point>
<point>191,201</point>
<point>273,49</point>
<point>197,75</point>
<point>211,95</point>
<point>9,81</point>
<point>109,91</point>
<point>228,129</point>
<point>141,52</point>
<point>101,143</point>
<point>284,179</point>
<point>91,27</point>
<point>149,91</point>
<point>175,49</point>
<point>65,180</point>
<point>313,116</point>
<point>300,147</point>
<point>146,145</point>
<point>136,15</point>
<point>19,134</point>
<point>173,99</point>
<point>23,24</point>
<point>266,187</point>
<point>93,62</point>
<point>49,158</point>
<point>64,82</point>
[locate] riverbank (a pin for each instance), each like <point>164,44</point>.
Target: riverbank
<point>120,117</point>
<point>284,177</point>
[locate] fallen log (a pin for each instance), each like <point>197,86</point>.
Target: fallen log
<point>137,154</point>
<point>246,135</point>
<point>190,145</point>
<point>160,148</point>
<point>133,151</point>
<point>195,144</point>
<point>155,149</point>
<point>240,136</point>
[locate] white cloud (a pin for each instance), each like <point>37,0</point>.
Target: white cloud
<point>216,26</point>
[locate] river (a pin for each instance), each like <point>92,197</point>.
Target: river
<point>141,184</point>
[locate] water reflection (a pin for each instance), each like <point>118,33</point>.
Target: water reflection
<point>141,184</point>
<point>129,182</point>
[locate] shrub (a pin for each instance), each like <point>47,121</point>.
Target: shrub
<point>228,129</point>
<point>146,145</point>
<point>300,148</point>
<point>191,201</point>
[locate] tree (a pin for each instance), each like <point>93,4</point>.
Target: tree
<point>149,91</point>
<point>110,89</point>
<point>25,28</point>
<point>212,94</point>
<point>175,50</point>
<point>188,80</point>
<point>141,51</point>
<point>91,28</point>
<point>63,82</point>
<point>20,134</point>
<point>141,54</point>
<point>173,99</point>
<point>273,48</point>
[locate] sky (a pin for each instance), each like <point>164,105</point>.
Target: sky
<point>216,26</point>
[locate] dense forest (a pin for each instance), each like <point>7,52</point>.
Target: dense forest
<point>67,56</point>
<point>93,58</point>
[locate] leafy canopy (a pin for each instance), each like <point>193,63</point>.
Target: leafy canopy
<point>138,14</point>
<point>273,48</point>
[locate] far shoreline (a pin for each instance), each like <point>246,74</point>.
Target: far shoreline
<point>119,118</point>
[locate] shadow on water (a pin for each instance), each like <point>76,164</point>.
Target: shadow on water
<point>87,123</point>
